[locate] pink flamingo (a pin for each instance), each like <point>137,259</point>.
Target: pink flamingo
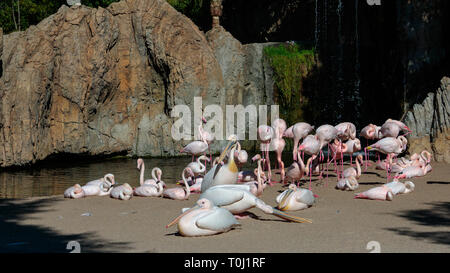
<point>352,171</point>
<point>391,147</point>
<point>382,193</point>
<point>195,148</point>
<point>392,128</point>
<point>310,146</point>
<point>338,149</point>
<point>257,187</point>
<point>412,172</point>
<point>265,134</point>
<point>346,131</point>
<point>206,136</point>
<point>370,132</point>
<point>180,193</point>
<point>353,146</point>
<point>326,133</point>
<point>278,143</point>
<point>298,131</point>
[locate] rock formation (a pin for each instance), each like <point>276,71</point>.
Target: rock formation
<point>104,81</point>
<point>1,52</point>
<point>430,123</point>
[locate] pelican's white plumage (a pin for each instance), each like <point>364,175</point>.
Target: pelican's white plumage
<point>238,199</point>
<point>204,219</point>
<point>295,198</point>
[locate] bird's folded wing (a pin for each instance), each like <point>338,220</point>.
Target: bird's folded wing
<point>223,196</point>
<point>218,219</point>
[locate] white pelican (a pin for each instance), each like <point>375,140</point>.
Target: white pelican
<point>180,193</point>
<point>223,174</point>
<point>295,199</point>
<point>204,219</point>
<point>74,192</point>
<point>122,192</point>
<point>238,199</point>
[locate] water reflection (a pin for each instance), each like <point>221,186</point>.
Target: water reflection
<point>54,178</point>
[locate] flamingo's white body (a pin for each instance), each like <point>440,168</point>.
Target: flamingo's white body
<point>99,187</point>
<point>180,193</point>
<point>149,190</point>
<point>122,192</point>
<point>382,193</point>
<point>398,187</point>
<point>347,184</point>
<point>74,192</point>
<point>204,219</point>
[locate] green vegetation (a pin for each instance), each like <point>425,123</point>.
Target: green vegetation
<point>20,14</point>
<point>291,64</point>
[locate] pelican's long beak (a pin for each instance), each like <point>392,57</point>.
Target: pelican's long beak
<point>225,151</point>
<point>284,201</point>
<point>290,217</point>
<point>181,215</point>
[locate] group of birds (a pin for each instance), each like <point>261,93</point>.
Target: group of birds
<point>226,194</point>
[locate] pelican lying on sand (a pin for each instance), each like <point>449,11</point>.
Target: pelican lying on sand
<point>295,199</point>
<point>204,219</point>
<point>238,199</point>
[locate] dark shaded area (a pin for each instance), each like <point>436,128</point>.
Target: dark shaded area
<point>19,238</point>
<point>376,61</point>
<point>437,216</point>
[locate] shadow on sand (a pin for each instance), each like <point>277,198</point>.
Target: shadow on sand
<point>16,237</point>
<point>438,216</point>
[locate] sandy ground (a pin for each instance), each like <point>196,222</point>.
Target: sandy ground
<point>416,222</point>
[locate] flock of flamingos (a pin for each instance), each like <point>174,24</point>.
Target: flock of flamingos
<point>226,194</point>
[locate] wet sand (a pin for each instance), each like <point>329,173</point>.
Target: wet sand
<point>415,222</point>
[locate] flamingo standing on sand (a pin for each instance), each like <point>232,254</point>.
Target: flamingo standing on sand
<point>382,193</point>
<point>257,187</point>
<point>311,146</point>
<point>370,132</point>
<point>327,133</point>
<point>391,147</point>
<point>392,128</point>
<point>195,148</point>
<point>180,193</point>
<point>265,134</point>
<point>338,149</point>
<point>206,136</point>
<point>298,132</point>
<point>278,143</point>
<point>204,219</point>
<point>353,146</point>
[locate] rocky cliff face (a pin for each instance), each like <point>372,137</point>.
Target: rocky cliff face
<point>104,81</point>
<point>430,123</point>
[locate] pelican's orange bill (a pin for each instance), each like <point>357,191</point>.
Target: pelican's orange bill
<point>181,215</point>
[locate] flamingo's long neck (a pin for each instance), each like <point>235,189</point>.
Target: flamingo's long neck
<point>202,166</point>
<point>186,184</point>
<point>141,176</point>
<point>358,168</point>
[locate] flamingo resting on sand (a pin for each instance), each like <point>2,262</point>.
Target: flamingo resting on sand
<point>180,193</point>
<point>156,175</point>
<point>204,219</point>
<point>74,192</point>
<point>347,184</point>
<point>122,192</point>
<point>295,198</point>
<point>382,193</point>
